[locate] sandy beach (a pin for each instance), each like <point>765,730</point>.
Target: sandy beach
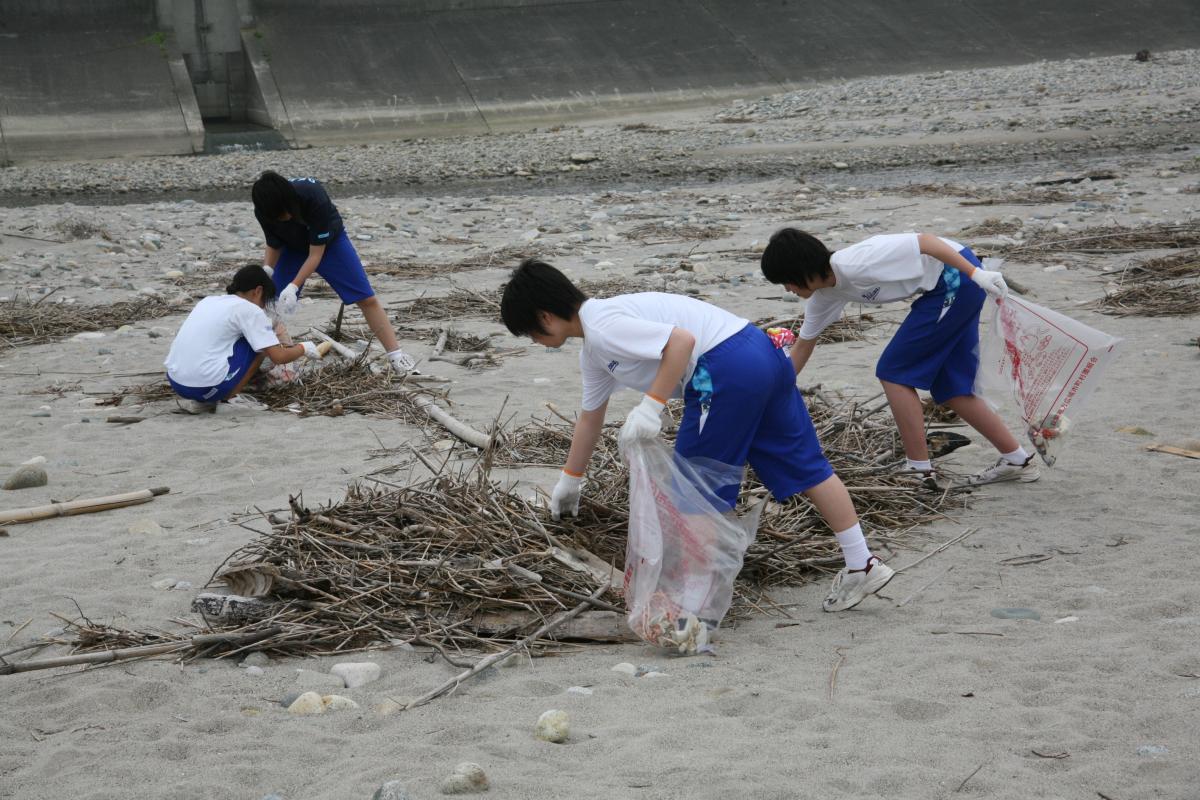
<point>921,693</point>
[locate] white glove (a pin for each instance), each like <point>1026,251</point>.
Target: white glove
<point>643,422</point>
<point>310,351</point>
<point>565,496</point>
<point>991,282</point>
<point>288,301</point>
<point>267,268</point>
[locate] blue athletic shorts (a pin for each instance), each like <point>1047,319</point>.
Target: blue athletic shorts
<point>340,267</point>
<point>241,361</point>
<point>742,405</point>
<point>937,346</point>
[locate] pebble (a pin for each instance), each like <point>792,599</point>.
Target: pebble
<point>467,778</point>
<point>392,790</point>
<point>356,673</point>
<point>335,702</point>
<point>1015,613</point>
<point>391,705</point>
<point>27,476</point>
<point>625,668</point>
<point>146,527</point>
<point>1066,619</point>
<point>553,726</point>
<point>307,703</point>
<point>256,658</point>
<point>164,584</point>
<point>584,157</point>
<point>272,797</point>
<point>41,412</point>
<point>1153,750</point>
<point>255,671</point>
<point>580,690</point>
<point>87,336</point>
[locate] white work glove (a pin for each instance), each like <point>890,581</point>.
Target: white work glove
<point>565,496</point>
<point>267,268</point>
<point>643,422</point>
<point>288,301</point>
<point>310,351</point>
<point>991,282</point>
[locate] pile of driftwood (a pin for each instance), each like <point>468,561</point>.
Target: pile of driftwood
<point>456,562</point>
<point>1110,240</point>
<point>1157,287</point>
<point>24,321</point>
<point>663,232</point>
<point>846,329</point>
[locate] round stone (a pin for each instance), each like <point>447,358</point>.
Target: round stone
<point>27,477</point>
<point>392,790</point>
<point>467,778</point>
<point>553,726</point>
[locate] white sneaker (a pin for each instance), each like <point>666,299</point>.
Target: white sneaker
<point>921,478</point>
<point>188,406</point>
<point>1004,471</point>
<point>241,402</point>
<point>851,587</point>
<point>402,363</point>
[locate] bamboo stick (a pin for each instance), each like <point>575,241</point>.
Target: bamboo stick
<point>86,506</point>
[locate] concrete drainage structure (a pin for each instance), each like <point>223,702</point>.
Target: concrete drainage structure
<point>96,78</point>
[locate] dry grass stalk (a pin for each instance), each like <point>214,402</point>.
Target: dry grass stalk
<point>846,329</point>
<point>459,303</point>
<point>24,322</point>
<point>1166,268</point>
<point>1152,300</point>
<point>664,232</point>
<point>1108,240</point>
<point>992,226</point>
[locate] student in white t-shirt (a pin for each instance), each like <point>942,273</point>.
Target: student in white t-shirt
<point>741,404</point>
<point>936,348</point>
<point>223,341</point>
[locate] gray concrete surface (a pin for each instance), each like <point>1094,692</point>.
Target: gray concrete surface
<point>81,78</point>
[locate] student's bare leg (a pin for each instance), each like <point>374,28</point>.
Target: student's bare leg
<point>378,322</point>
<point>976,413</point>
<point>910,419</point>
<point>251,371</point>
<point>833,503</point>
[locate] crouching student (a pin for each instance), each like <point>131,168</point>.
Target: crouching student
<point>221,345</point>
<point>741,404</point>
<point>936,348</point>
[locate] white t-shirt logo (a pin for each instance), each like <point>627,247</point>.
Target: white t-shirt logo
<point>612,365</point>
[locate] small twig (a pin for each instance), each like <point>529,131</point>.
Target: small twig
<point>940,548</point>
<point>972,775</point>
<point>909,599</point>
<point>834,674</point>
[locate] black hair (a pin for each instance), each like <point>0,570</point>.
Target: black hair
<point>249,277</point>
<point>536,286</point>
<point>275,196</point>
<point>793,256</point>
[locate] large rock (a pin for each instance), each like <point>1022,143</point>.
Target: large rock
<point>356,673</point>
<point>27,477</point>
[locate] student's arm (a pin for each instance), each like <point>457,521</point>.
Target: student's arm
<point>583,440</point>
<point>676,354</point>
<point>801,350</point>
<point>315,253</point>
<point>933,246</point>
<point>285,353</point>
<point>271,257</point>
<point>990,281</point>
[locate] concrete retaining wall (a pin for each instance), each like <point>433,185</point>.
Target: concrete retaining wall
<point>81,78</point>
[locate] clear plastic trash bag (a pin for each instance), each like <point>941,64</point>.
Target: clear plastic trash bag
<point>684,549</point>
<point>1046,362</point>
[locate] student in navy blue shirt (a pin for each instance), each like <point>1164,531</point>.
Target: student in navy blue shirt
<point>305,234</point>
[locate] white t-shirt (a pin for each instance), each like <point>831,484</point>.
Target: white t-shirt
<point>624,336</point>
<point>199,356</point>
<point>878,270</point>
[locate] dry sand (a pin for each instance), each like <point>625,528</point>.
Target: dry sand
<point>934,698</point>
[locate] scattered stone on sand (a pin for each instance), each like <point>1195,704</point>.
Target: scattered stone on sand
<point>391,705</point>
<point>145,527</point>
<point>256,658</point>
<point>254,671</point>
<point>392,790</point>
<point>335,702</point>
<point>625,668</point>
<point>356,673</point>
<point>467,778</point>
<point>584,157</point>
<point>1153,750</point>
<point>163,584</point>
<point>583,691</point>
<point>27,477</point>
<point>553,726</point>
<point>307,703</point>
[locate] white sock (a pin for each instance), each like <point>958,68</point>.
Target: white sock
<point>920,466</point>
<point>854,547</point>
<point>1016,457</point>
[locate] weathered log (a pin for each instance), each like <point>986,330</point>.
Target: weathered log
<point>86,506</point>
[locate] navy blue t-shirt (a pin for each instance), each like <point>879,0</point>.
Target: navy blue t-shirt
<point>322,223</point>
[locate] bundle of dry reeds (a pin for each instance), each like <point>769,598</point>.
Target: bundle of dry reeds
<point>36,322</point>
<point>663,232</point>
<point>1156,287</point>
<point>846,329</point>
<point>459,303</point>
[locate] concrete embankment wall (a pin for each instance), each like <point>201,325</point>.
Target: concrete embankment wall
<point>99,77</point>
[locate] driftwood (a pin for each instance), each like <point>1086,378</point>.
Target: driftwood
<point>504,655</point>
<point>195,643</point>
<point>86,506</point>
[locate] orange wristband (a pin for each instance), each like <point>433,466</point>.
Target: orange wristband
<point>572,474</point>
<point>656,399</point>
